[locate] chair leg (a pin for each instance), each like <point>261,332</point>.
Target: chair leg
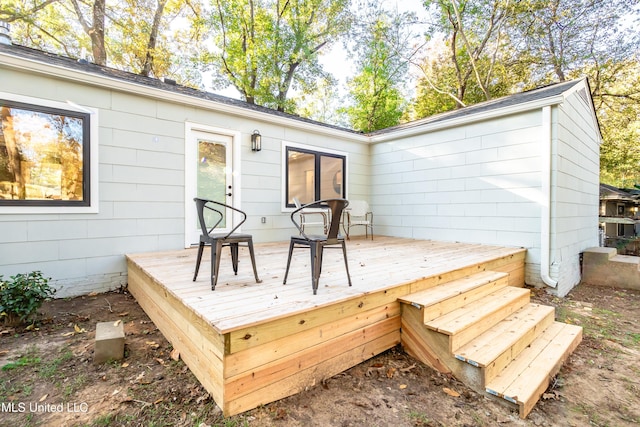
<point>346,264</point>
<point>215,263</point>
<point>200,250</point>
<point>234,257</point>
<point>253,260</point>
<point>286,273</point>
<point>316,265</point>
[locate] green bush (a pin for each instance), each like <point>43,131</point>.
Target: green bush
<point>22,295</point>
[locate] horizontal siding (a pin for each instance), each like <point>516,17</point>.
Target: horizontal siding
<point>142,178</point>
<point>477,183</point>
<point>577,190</point>
<point>473,184</point>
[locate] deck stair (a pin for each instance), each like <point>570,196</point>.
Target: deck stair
<point>488,335</point>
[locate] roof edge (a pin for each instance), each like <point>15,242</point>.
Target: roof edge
<point>59,71</point>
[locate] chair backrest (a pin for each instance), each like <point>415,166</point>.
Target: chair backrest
<point>336,206</point>
<point>218,208</point>
<point>358,208</point>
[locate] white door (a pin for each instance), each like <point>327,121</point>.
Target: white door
<point>209,170</point>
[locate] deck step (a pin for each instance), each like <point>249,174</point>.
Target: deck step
<point>494,349</point>
<point>474,318</point>
<point>524,380</point>
<point>439,300</point>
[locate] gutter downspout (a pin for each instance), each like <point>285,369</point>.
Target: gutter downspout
<point>545,220</point>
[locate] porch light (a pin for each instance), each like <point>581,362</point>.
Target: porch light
<point>256,141</point>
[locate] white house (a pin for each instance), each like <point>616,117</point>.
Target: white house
<point>517,171</point>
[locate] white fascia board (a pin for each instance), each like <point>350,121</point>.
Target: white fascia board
<point>112,83</point>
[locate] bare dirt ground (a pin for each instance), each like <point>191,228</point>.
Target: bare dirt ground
<point>48,377</point>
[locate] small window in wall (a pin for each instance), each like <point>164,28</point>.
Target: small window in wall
<point>314,175</point>
<point>620,209</point>
<point>45,155</point>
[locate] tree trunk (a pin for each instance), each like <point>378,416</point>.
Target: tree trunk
<point>18,187</point>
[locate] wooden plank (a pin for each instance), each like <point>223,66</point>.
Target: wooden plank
<point>469,321</point>
<point>446,297</point>
<point>536,377</point>
<point>497,347</point>
<point>290,365</point>
<point>254,357</point>
<point>309,377</point>
<point>203,362</point>
<point>258,334</point>
<point>527,374</point>
<point>421,345</point>
<point>182,309</point>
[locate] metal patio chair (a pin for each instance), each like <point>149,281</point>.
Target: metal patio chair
<point>317,243</point>
<point>359,214</point>
<point>218,240</point>
<point>317,218</point>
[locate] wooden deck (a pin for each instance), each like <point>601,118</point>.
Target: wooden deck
<point>253,343</point>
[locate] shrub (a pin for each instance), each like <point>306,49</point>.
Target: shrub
<point>22,295</point>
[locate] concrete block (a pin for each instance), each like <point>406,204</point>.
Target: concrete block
<point>109,343</point>
<point>603,267</point>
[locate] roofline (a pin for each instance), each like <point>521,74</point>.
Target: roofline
<point>419,128</point>
<point>407,130</point>
<point>41,67</point>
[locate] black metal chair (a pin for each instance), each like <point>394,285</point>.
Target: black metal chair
<point>219,240</point>
<point>317,243</point>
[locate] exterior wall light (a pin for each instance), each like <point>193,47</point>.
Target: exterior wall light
<point>256,141</point>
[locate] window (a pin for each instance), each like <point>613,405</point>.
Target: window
<point>314,175</point>
<point>620,209</point>
<point>620,230</point>
<point>45,155</point>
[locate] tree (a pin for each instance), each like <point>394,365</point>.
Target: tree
<point>383,45</point>
<point>475,39</point>
<point>264,47</point>
<point>323,104</point>
<point>567,39</point>
<point>133,35</point>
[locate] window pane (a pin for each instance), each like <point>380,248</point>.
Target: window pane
<point>41,155</point>
<point>212,176</point>
<point>301,176</point>
<point>332,177</point>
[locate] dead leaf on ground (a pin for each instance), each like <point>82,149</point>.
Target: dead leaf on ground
<point>160,361</point>
<point>43,398</point>
<point>403,386</point>
<point>175,354</point>
<point>78,329</point>
<point>152,344</point>
<point>391,372</point>
<point>450,392</point>
<point>123,314</point>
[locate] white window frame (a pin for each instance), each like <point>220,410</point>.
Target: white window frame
<point>190,160</point>
<point>94,186</point>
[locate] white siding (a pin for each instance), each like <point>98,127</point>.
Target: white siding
<point>142,179</point>
<point>478,183</point>
<point>576,195</point>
